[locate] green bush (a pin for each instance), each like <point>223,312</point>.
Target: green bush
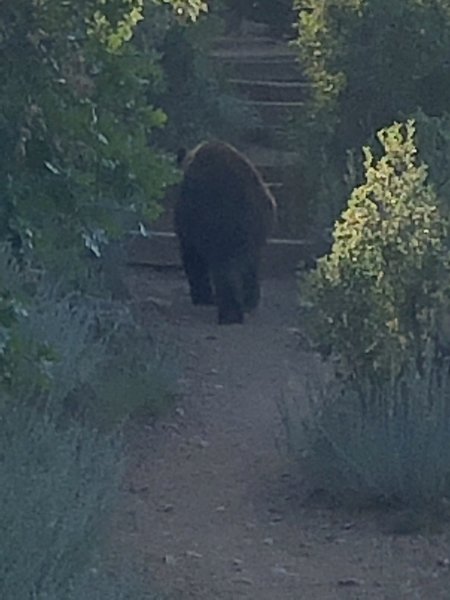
<point>60,485</point>
<point>375,301</point>
<point>76,119</point>
<point>433,145</point>
<point>82,353</point>
<point>136,376</point>
<point>74,123</point>
<point>382,444</point>
<point>60,449</point>
<point>370,62</point>
<point>57,492</point>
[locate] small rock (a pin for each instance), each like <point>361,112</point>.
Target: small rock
<point>180,411</point>
<point>218,386</point>
<point>443,562</point>
<point>214,371</point>
<point>268,541</point>
<point>283,571</point>
<point>193,554</point>
<point>167,508</point>
<point>276,519</point>
<point>350,582</point>
<point>245,580</point>
<point>294,331</point>
<point>220,508</point>
<point>198,441</point>
<point>237,564</point>
<point>170,560</point>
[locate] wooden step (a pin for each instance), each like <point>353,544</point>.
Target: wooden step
<point>280,256</point>
<point>276,114</point>
<point>255,52</point>
<point>263,68</point>
<point>246,43</point>
<point>272,91</point>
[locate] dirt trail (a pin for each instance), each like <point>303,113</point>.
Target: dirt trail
<point>211,506</point>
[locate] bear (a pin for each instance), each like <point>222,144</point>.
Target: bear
<point>223,215</point>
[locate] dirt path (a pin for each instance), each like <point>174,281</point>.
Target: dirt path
<point>211,506</point>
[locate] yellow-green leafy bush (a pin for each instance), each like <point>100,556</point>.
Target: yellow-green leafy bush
<point>373,302</point>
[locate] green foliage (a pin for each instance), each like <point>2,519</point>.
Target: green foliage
<point>189,9</point>
<point>60,483</point>
<point>433,143</point>
<point>369,444</point>
<point>88,356</point>
<point>74,124</point>
<point>370,62</point>
<point>135,377</point>
<point>323,29</point>
<point>59,475</point>
<point>375,300</point>
<point>114,32</point>
<point>356,52</point>
<point>58,487</point>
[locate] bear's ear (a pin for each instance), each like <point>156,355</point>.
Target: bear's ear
<point>181,155</point>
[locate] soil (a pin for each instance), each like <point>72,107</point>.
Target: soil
<point>212,507</point>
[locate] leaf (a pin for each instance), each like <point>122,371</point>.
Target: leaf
<point>51,168</point>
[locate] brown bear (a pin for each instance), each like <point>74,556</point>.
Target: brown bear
<point>223,215</point>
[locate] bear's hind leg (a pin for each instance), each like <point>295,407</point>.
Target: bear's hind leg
<point>251,291</point>
<point>197,272</point>
<point>228,294</point>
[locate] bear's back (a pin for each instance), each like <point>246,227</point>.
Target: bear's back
<point>223,200</point>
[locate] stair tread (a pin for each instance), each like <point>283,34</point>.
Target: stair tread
<point>286,104</point>
<point>271,83</point>
<point>246,39</point>
<point>264,156</point>
<point>243,54</point>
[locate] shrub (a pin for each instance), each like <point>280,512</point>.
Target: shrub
<point>59,475</point>
<point>386,443</point>
<point>373,302</point>
<point>74,124</point>
<point>433,145</point>
<point>134,379</point>
<point>370,62</point>
<point>58,487</point>
<point>83,353</point>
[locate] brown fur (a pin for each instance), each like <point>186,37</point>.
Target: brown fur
<point>222,217</point>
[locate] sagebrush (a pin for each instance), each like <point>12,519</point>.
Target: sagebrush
<point>368,444</point>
